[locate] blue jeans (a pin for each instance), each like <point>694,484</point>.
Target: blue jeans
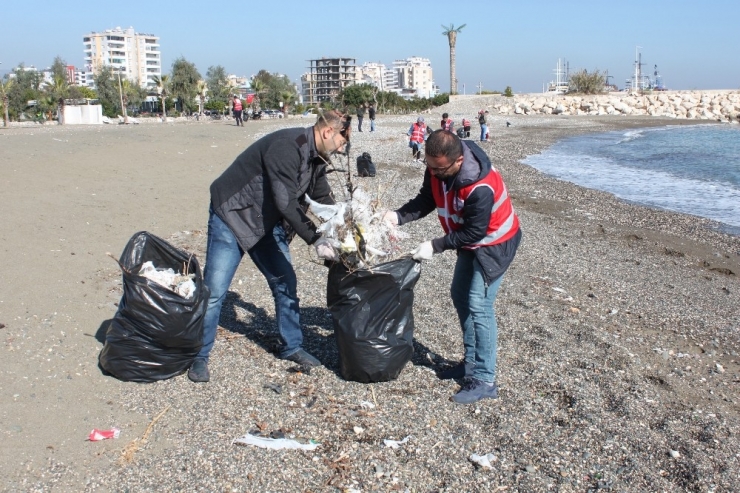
<point>474,302</point>
<point>271,255</point>
<point>372,124</point>
<point>483,132</point>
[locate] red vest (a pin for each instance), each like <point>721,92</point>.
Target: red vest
<point>447,124</point>
<point>418,132</point>
<point>237,105</point>
<point>503,223</point>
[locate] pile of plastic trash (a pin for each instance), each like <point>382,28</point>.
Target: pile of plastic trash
<point>357,229</point>
<point>181,284</point>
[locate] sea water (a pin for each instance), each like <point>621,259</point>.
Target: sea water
<point>690,169</point>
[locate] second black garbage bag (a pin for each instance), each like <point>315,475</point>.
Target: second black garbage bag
<point>156,332</point>
<point>372,310</point>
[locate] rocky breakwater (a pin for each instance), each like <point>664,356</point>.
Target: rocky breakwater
<point>700,105</point>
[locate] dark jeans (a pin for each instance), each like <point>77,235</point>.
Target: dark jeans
<point>359,124</point>
<point>271,255</point>
<point>238,117</point>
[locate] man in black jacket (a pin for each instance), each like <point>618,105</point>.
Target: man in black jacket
<point>256,205</point>
<point>480,224</point>
<point>371,115</point>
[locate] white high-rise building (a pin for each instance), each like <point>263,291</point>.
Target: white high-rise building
<point>136,56</point>
<point>374,73</point>
<point>415,77</point>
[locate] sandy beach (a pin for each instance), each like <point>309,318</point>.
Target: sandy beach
<point>619,332</point>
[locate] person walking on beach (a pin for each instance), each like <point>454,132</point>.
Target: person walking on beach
<point>417,135</point>
<point>238,111</point>
<point>480,224</point>
<point>483,126</point>
<point>447,123</point>
<point>371,115</point>
<point>360,116</point>
<point>256,206</point>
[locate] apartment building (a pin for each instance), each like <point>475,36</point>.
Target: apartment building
<point>327,77</point>
<point>415,77</point>
<point>137,56</point>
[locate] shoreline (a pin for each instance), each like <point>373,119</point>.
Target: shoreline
<point>582,370</point>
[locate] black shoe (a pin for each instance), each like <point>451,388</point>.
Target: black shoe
<point>475,390</point>
<point>303,359</point>
<point>198,372</point>
<point>456,372</point>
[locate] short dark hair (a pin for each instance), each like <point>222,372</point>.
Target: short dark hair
<point>445,115</point>
<point>444,143</point>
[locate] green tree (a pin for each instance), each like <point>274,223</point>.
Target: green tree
<point>218,86</point>
<point>201,90</point>
<point>162,85</point>
<point>272,89</point>
<point>57,91</point>
<point>5,86</point>
<point>259,89</point>
<point>508,92</point>
<point>59,68</point>
<point>451,32</point>
<point>184,83</point>
<point>25,88</point>
<point>357,94</point>
<point>107,86</point>
<point>585,83</point>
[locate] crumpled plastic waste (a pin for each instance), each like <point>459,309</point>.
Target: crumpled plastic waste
<point>354,226</point>
<point>484,461</point>
<point>367,405</point>
<point>275,443</point>
<point>179,283</point>
<point>97,435</point>
<point>396,443</point>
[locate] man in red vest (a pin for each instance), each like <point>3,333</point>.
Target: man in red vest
<point>480,224</point>
<point>417,135</point>
<point>238,111</point>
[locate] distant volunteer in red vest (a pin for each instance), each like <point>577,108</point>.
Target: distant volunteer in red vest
<point>447,123</point>
<point>480,224</point>
<point>238,111</point>
<point>417,135</point>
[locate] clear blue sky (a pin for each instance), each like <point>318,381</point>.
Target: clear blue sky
<point>504,43</point>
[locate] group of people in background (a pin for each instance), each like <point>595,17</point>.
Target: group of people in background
<point>361,116</point>
<point>419,131</point>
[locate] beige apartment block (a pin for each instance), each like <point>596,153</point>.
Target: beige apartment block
<point>136,56</point>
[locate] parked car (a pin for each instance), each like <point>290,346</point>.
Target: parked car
<point>272,114</point>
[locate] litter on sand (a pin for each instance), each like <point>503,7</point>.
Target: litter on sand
<point>97,435</point>
<point>396,443</point>
<point>276,444</point>
<point>484,461</point>
<point>181,284</point>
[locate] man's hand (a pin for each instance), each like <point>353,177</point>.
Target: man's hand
<point>324,249</point>
<point>423,252</point>
<point>390,217</point>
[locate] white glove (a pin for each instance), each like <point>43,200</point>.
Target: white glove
<point>324,249</point>
<point>424,251</point>
<point>390,217</point>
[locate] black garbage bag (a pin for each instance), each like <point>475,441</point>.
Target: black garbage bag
<point>373,318</point>
<point>156,333</point>
<point>365,165</point>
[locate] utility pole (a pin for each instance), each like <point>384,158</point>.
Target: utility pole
<point>120,93</point>
<point>480,88</point>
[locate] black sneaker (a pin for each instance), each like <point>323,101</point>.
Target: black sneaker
<point>198,372</point>
<point>461,370</point>
<point>474,390</point>
<point>303,359</point>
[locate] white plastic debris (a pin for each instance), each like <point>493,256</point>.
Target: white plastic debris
<point>179,283</point>
<point>484,461</point>
<point>367,405</point>
<point>275,443</point>
<point>396,443</point>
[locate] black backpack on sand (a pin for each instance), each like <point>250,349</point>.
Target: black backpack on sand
<point>365,166</point>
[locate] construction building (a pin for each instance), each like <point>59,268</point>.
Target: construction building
<point>135,56</point>
<point>327,77</point>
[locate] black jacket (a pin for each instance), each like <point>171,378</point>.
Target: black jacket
<point>476,165</point>
<point>265,184</point>
<point>371,112</point>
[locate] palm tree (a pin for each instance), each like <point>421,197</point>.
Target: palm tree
<point>4,90</point>
<point>57,90</point>
<point>451,33</point>
<point>163,85</point>
<point>259,89</point>
<point>201,90</point>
